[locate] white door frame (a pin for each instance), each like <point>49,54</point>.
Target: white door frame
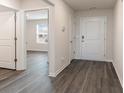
<point>105,27</point>
<point>21,42</point>
<point>71,38</point>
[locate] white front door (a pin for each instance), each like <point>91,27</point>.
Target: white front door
<point>7,43</point>
<point>92,32</point>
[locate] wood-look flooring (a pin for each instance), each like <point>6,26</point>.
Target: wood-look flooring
<point>79,77</point>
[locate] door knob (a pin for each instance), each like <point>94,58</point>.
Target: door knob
<point>82,37</point>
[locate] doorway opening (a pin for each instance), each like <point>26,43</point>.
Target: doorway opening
<point>37,30</point>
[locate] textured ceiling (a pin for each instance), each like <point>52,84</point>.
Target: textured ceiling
<point>89,4</point>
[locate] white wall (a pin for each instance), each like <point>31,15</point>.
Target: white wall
<point>94,13</point>
<point>21,53</point>
<point>118,39</point>
<point>31,36</point>
<point>62,15</point>
<point>33,4</point>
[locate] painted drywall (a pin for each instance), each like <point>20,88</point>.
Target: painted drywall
<point>14,4</point>
<point>62,15</point>
<point>118,39</point>
<point>94,13</point>
<point>33,4</point>
<point>87,4</point>
<point>31,36</point>
<point>21,44</point>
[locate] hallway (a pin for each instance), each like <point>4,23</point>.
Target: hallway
<point>78,77</point>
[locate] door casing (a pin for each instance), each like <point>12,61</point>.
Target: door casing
<point>105,25</point>
<point>21,42</point>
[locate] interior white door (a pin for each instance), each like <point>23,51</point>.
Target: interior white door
<point>92,38</point>
<point>7,43</point>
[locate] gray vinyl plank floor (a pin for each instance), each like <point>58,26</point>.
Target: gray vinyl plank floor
<point>79,77</point>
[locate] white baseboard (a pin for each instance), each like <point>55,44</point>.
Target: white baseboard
<point>115,70</point>
<point>52,75</point>
<point>104,60</point>
<point>107,60</point>
<point>61,69</point>
<point>58,71</point>
<point>118,74</point>
<point>37,50</point>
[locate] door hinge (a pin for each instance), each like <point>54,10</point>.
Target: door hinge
<point>15,38</point>
<point>15,59</point>
<point>71,42</point>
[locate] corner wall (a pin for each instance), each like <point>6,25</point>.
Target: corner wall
<point>62,14</point>
<point>118,40</point>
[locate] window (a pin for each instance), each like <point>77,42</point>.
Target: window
<point>42,33</point>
